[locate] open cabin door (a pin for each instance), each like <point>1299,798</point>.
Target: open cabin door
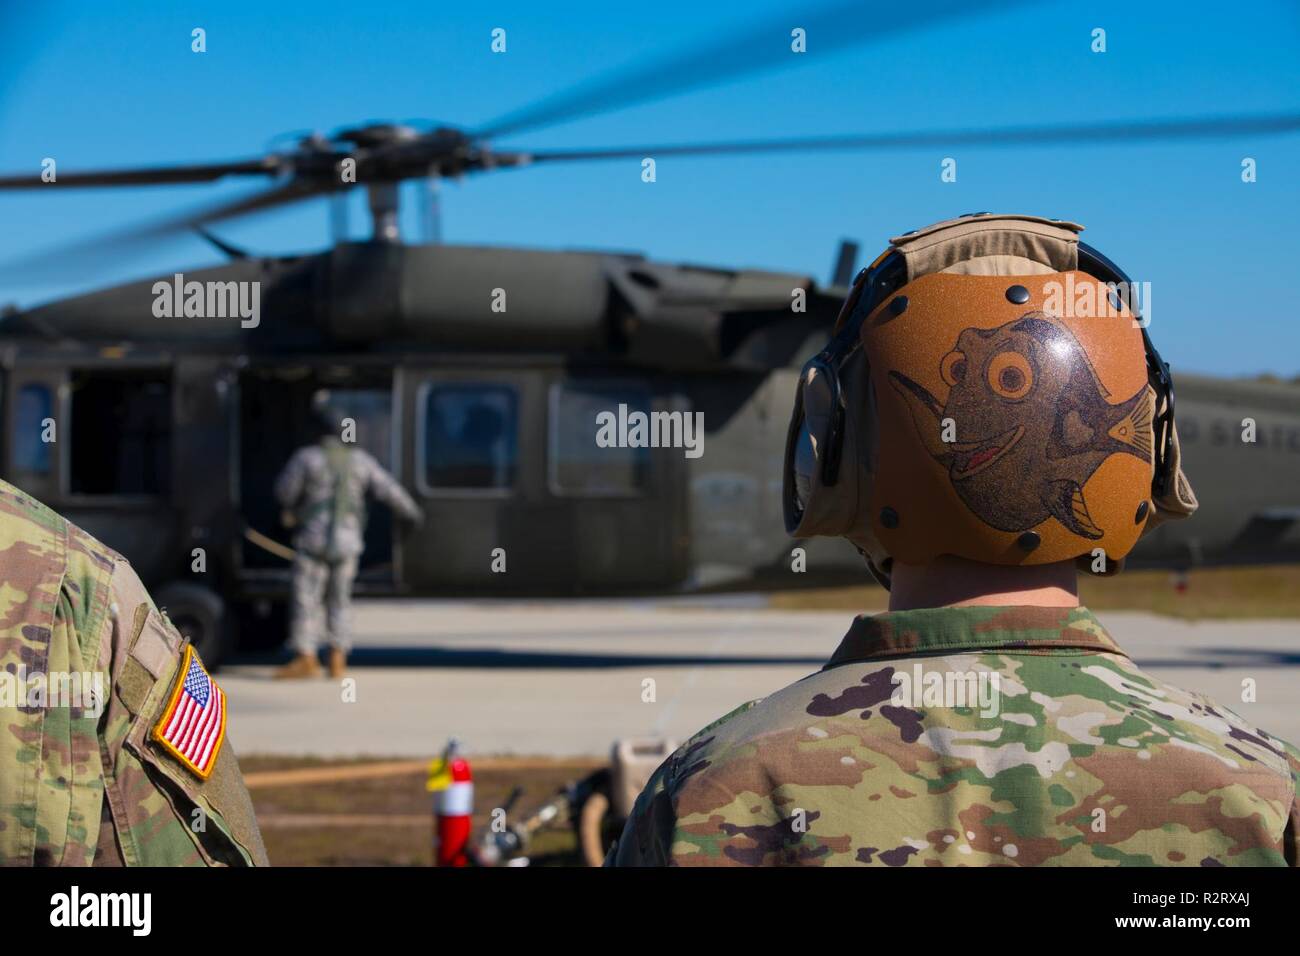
<point>274,422</point>
<point>508,470</point>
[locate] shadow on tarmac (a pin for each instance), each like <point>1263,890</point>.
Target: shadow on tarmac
<point>498,658</point>
<point>537,660</point>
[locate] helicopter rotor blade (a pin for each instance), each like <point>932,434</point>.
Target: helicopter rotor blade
<point>1080,134</point>
<point>832,27</point>
<point>157,176</point>
<point>90,255</point>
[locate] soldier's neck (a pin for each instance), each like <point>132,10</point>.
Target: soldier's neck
<point>956,582</point>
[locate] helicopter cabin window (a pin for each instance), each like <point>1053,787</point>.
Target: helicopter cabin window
<point>470,438</point>
<point>121,433</point>
<point>33,413</point>
<point>580,464</point>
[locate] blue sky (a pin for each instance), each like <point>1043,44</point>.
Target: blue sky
<point>115,84</point>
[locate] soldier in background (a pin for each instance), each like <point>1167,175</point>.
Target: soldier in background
<point>112,733</point>
<point>976,440</point>
<point>323,492</point>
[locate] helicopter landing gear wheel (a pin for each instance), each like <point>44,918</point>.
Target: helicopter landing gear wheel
<point>593,824</point>
<point>200,616</point>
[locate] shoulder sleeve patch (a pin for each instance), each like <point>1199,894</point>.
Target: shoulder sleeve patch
<point>193,724</point>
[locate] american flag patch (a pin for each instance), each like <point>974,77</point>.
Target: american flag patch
<point>193,724</point>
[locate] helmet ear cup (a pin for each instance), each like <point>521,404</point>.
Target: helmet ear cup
<point>830,454</point>
<point>831,441</point>
<point>1176,499</point>
<point>1171,492</point>
<point>810,473</point>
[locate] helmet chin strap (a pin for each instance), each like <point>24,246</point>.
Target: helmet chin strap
<point>882,577</point>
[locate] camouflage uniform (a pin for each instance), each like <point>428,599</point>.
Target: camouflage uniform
<point>89,785</point>
<point>325,485</point>
<point>1088,762</point>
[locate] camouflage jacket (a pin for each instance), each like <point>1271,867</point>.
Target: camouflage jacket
<point>331,520</point>
<point>1072,757</point>
<point>88,667</point>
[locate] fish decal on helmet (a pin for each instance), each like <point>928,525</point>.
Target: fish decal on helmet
<point>1032,423</point>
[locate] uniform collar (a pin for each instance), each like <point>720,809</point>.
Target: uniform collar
<point>957,629</point>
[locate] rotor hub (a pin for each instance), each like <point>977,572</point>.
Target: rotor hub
<point>375,135</point>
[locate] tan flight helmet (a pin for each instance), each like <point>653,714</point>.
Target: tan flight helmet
<point>989,392</point>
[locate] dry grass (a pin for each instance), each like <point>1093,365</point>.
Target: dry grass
<point>1249,592</point>
<point>387,819</point>
<point>1225,593</point>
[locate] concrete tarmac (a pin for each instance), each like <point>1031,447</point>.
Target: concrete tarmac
<point>568,677</point>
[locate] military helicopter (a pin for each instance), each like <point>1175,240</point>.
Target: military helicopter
<point>156,414</point>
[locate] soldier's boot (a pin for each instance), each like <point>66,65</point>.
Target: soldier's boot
<point>338,662</point>
<point>302,666</point>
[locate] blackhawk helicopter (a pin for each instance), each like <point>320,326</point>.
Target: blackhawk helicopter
<point>156,414</point>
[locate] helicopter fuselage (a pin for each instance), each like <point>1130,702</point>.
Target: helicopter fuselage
<point>168,430</point>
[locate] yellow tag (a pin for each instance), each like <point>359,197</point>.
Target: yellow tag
<point>439,776</point>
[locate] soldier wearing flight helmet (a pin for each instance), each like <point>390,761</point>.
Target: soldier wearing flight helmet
<point>979,440</point>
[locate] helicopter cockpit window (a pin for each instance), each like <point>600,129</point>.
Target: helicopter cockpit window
<point>121,433</point>
<point>470,438</point>
<point>581,464</point>
<point>33,411</point>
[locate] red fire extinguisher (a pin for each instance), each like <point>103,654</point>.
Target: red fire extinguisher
<point>453,804</point>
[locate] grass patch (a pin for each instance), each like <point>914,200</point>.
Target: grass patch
<point>396,812</point>
<point>1271,591</point>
